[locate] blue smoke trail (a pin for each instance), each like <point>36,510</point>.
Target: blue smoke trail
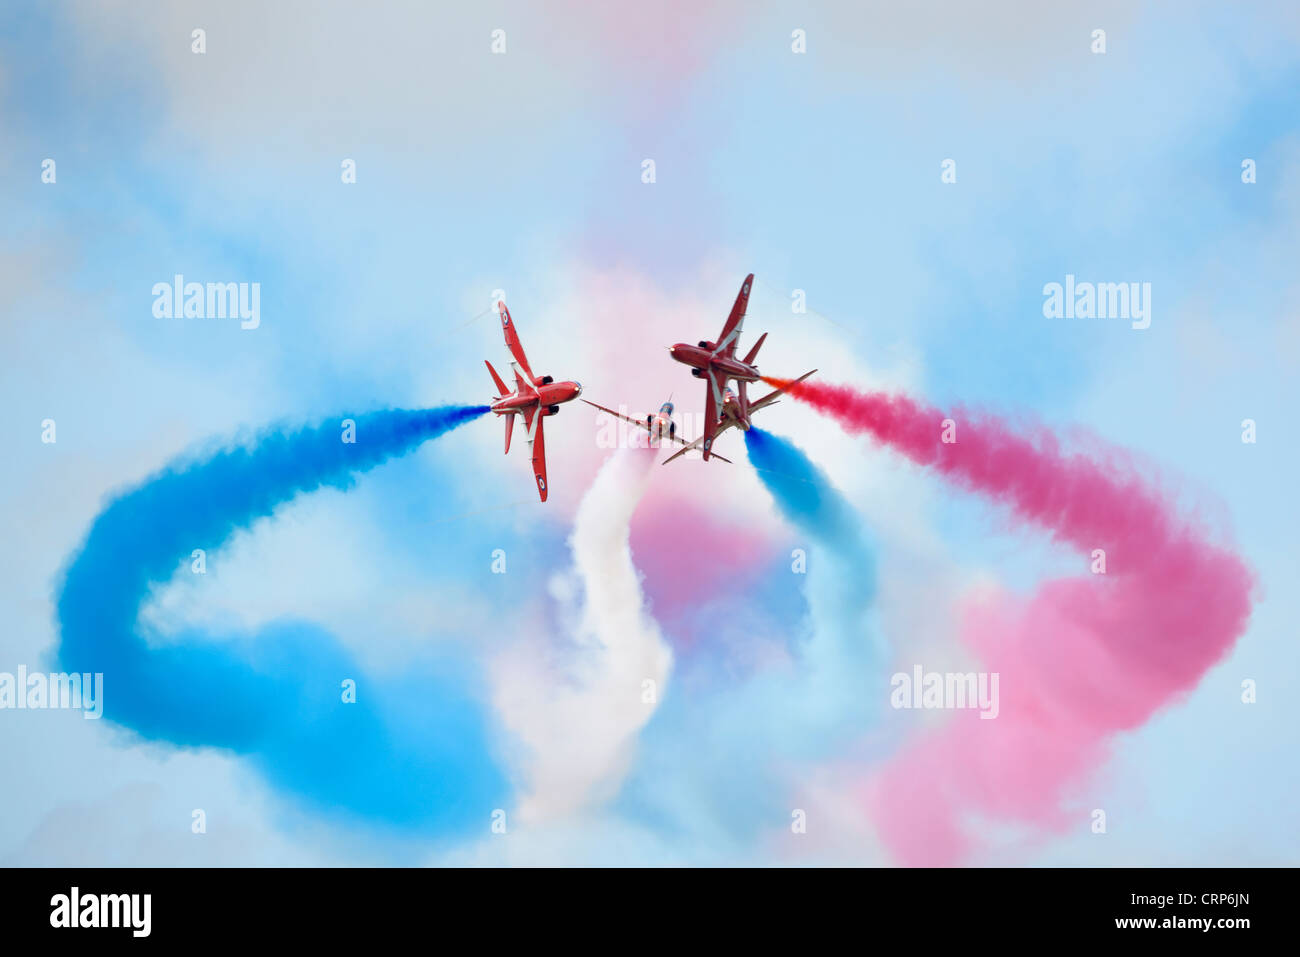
<point>777,719</point>
<point>811,503</point>
<point>846,652</point>
<point>414,752</point>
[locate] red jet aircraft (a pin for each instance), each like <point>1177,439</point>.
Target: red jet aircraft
<point>532,398</point>
<point>730,418</point>
<point>716,362</point>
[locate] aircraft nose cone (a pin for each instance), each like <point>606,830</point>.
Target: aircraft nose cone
<point>577,388</point>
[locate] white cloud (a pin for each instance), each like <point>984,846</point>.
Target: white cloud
<point>577,706</point>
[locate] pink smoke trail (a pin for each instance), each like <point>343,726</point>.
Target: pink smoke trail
<point>1080,659</point>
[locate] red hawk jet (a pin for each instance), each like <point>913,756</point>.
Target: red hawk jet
<point>532,398</point>
<point>716,363</point>
<point>731,418</point>
<point>660,426</point>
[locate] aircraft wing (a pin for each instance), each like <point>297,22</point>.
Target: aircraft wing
<point>731,331</point>
<point>512,340</point>
<point>537,442</point>
<point>698,442</point>
<point>639,423</point>
<point>771,397</point>
<point>523,383</point>
<point>712,403</point>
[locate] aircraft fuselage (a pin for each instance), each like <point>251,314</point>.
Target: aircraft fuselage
<point>660,426</point>
<point>724,367</point>
<point>555,393</point>
<point>731,410</point>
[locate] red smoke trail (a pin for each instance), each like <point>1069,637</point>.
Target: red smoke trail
<point>1080,659</point>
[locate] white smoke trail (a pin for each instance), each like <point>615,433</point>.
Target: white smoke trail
<point>578,707</point>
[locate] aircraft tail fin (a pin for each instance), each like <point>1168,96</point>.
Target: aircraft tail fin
<point>753,353</point>
<point>496,379</point>
<point>510,427</point>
